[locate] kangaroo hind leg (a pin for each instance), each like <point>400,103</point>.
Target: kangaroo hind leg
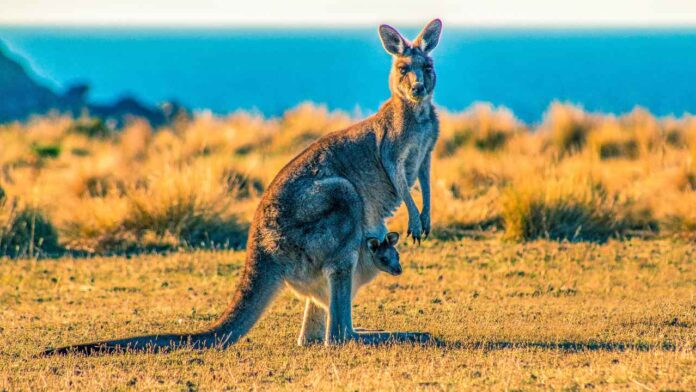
<point>339,328</point>
<point>313,324</point>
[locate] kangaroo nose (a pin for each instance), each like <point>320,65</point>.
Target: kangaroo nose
<point>418,89</point>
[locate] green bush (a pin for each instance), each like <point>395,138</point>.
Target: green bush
<point>46,151</point>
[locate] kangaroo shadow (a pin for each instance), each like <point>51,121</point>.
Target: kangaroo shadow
<point>565,346</point>
<point>428,340</point>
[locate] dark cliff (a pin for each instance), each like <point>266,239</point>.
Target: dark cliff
<point>21,97</point>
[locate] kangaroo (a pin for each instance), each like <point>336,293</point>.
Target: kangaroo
<point>378,256</point>
<point>309,228</point>
<point>385,256</point>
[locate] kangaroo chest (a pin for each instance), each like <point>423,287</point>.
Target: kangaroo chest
<point>418,144</point>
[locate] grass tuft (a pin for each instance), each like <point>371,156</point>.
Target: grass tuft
<point>560,210</point>
<point>483,127</point>
<point>192,212</point>
<point>25,231</point>
<point>567,127</point>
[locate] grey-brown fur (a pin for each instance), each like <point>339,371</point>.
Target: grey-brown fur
<point>385,255</point>
<point>310,226</point>
<point>373,259</point>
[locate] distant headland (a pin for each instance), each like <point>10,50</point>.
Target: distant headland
<point>22,97</point>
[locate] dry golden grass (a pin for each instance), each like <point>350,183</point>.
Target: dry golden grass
<point>539,315</point>
<point>525,314</point>
<point>197,182</point>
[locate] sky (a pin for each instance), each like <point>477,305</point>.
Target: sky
<point>348,12</point>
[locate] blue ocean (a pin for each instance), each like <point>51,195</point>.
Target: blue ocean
<point>271,70</point>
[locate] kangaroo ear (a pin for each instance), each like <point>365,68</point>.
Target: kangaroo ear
<point>392,238</point>
<point>392,41</point>
<point>428,38</point>
<point>372,244</point>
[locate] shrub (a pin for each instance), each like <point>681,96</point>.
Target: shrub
<point>559,210</point>
<point>305,123</point>
<point>614,149</point>
<point>197,183</point>
<point>681,225</point>
<point>135,139</point>
<point>448,146</point>
<point>677,214</point>
<point>25,231</point>
<point>92,127</point>
<point>95,225</point>
<point>184,221</point>
<point>46,151</point>
<point>610,141</point>
<point>491,140</point>
<point>644,130</point>
<point>190,207</point>
<point>483,126</point>
<point>684,178</point>
<point>242,185</point>
<point>79,152</point>
<point>454,216</point>
<point>567,127</point>
<point>97,186</point>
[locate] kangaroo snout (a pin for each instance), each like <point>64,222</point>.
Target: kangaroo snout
<point>391,266</point>
<point>418,90</point>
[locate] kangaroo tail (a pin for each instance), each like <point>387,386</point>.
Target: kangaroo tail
<point>260,282</point>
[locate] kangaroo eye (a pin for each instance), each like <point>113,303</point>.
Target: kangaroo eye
<point>403,70</point>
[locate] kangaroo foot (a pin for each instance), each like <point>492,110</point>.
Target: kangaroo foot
<point>382,337</point>
<point>372,337</point>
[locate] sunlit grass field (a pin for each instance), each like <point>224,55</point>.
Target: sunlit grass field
<point>540,315</point>
<point>562,254</point>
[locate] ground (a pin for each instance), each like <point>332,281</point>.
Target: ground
<point>541,315</point>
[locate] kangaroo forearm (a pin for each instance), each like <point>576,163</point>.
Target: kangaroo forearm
<point>405,194</point>
<point>425,190</point>
<point>424,180</point>
<point>410,204</point>
<point>398,180</point>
